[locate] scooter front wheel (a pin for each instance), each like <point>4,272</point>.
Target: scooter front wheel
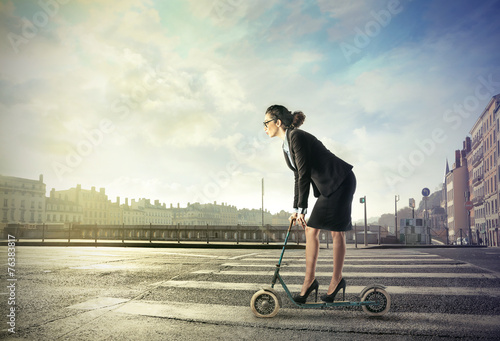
<point>264,304</point>
<point>382,301</point>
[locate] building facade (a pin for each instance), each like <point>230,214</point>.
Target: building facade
<point>115,213</point>
<point>476,183</point>
<point>205,214</point>
<point>22,200</point>
<point>484,173</point>
<point>59,209</point>
<point>155,214</point>
<point>255,217</point>
<point>281,218</point>
<point>490,171</point>
<point>456,195</point>
<point>94,203</point>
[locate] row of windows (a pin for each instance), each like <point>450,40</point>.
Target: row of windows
<point>157,214</point>
<point>490,208</point>
<point>24,186</point>
<point>22,216</point>
<point>94,196</point>
<point>62,218</point>
<point>24,194</point>
<point>491,185</point>
<point>490,163</point>
<point>476,173</point>
<point>490,224</point>
<point>94,205</point>
<point>69,208</point>
<point>94,214</point>
<point>22,203</point>
<point>479,192</point>
<point>490,140</point>
<point>479,213</point>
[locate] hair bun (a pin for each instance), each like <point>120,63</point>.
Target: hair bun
<point>298,119</point>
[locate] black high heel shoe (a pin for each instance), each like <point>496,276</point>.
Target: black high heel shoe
<point>330,298</point>
<point>302,299</point>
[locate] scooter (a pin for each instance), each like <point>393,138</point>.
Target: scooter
<point>374,299</point>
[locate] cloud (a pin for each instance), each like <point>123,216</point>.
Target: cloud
<point>348,16</point>
<point>228,13</point>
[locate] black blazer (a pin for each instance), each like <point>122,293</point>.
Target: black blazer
<point>316,166</point>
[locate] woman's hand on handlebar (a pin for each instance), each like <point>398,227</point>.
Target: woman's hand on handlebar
<point>300,219</point>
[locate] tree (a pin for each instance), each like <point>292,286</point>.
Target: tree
<point>387,219</point>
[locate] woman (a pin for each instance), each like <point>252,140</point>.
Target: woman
<point>333,183</point>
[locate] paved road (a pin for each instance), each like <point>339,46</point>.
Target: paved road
<point>78,293</point>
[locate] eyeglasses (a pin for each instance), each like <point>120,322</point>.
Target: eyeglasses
<point>265,123</point>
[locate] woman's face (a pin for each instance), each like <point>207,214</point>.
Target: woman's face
<point>270,126</point>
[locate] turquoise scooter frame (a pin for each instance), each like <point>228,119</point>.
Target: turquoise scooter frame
<point>374,299</point>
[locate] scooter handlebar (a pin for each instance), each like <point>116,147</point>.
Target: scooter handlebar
<point>292,220</point>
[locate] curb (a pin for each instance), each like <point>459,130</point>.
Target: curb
<point>390,246</point>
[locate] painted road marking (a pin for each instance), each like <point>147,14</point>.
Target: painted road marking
<point>242,256</point>
<point>384,274</point>
<point>351,259</point>
<point>395,266</point>
<point>99,303</point>
<point>392,290</point>
<point>360,256</point>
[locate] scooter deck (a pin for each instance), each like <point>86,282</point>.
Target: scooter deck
<point>333,304</point>
<point>336,302</point>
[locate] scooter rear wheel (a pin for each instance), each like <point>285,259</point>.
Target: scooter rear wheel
<point>381,297</point>
<point>264,304</point>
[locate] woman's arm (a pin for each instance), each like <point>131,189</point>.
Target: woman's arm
<point>302,160</point>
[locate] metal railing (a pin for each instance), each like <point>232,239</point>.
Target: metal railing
<point>161,233</point>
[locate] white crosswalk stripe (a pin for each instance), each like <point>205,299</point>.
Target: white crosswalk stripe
<point>384,274</point>
<point>357,259</point>
<point>492,292</point>
<point>347,266</point>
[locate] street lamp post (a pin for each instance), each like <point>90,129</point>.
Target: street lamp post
<point>262,202</point>
<point>363,201</point>
<point>396,199</point>
<point>468,207</point>
<point>426,218</point>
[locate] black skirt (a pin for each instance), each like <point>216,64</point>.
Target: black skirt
<point>333,213</point>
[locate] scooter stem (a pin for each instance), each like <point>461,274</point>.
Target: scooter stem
<point>286,241</point>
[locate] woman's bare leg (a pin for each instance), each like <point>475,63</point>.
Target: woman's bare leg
<point>312,250</point>
<point>339,248</point>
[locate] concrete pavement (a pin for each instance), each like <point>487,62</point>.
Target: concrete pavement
<point>126,293</point>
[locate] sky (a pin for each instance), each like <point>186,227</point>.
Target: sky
<point>165,100</point>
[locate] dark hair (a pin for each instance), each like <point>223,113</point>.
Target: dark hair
<point>289,120</point>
